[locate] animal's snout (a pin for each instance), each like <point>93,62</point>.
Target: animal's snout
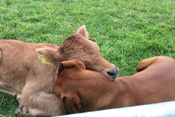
<point>113,73</point>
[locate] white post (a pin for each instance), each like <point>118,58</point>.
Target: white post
<point>165,109</point>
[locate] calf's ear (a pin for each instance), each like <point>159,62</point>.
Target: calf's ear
<point>48,55</point>
<point>71,102</point>
<point>82,31</point>
<point>71,64</point>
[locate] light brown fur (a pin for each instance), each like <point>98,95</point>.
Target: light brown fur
<point>80,88</point>
<point>22,73</point>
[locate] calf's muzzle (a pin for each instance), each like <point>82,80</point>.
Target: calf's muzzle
<point>113,73</point>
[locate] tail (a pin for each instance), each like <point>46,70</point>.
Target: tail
<point>146,63</point>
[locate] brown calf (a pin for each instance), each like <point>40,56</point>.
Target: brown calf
<point>22,73</point>
<point>80,88</point>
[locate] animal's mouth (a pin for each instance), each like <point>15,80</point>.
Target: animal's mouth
<point>115,77</point>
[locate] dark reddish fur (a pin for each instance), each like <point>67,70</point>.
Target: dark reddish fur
<point>78,87</point>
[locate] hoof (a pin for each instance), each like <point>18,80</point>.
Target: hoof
<point>17,112</point>
<point>21,111</point>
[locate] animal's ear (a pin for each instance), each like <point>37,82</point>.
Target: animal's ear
<point>71,64</point>
<point>82,31</point>
<point>71,102</point>
<point>48,55</point>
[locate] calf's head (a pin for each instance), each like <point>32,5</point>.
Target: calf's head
<point>75,87</point>
<point>78,46</point>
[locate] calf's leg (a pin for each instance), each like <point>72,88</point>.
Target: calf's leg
<point>29,112</point>
<point>47,105</point>
<point>7,89</point>
<point>38,99</point>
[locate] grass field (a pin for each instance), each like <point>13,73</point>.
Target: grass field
<point>126,31</point>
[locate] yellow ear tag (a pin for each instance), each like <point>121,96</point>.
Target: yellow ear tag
<point>41,57</point>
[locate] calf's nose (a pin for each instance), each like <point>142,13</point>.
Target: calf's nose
<point>113,73</point>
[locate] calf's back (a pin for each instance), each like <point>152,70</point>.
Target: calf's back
<point>19,62</point>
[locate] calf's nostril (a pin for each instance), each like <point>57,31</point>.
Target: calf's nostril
<point>113,73</point>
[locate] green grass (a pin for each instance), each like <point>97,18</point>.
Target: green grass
<point>126,31</point>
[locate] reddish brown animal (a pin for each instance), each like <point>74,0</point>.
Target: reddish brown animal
<point>22,73</point>
<point>80,88</point>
